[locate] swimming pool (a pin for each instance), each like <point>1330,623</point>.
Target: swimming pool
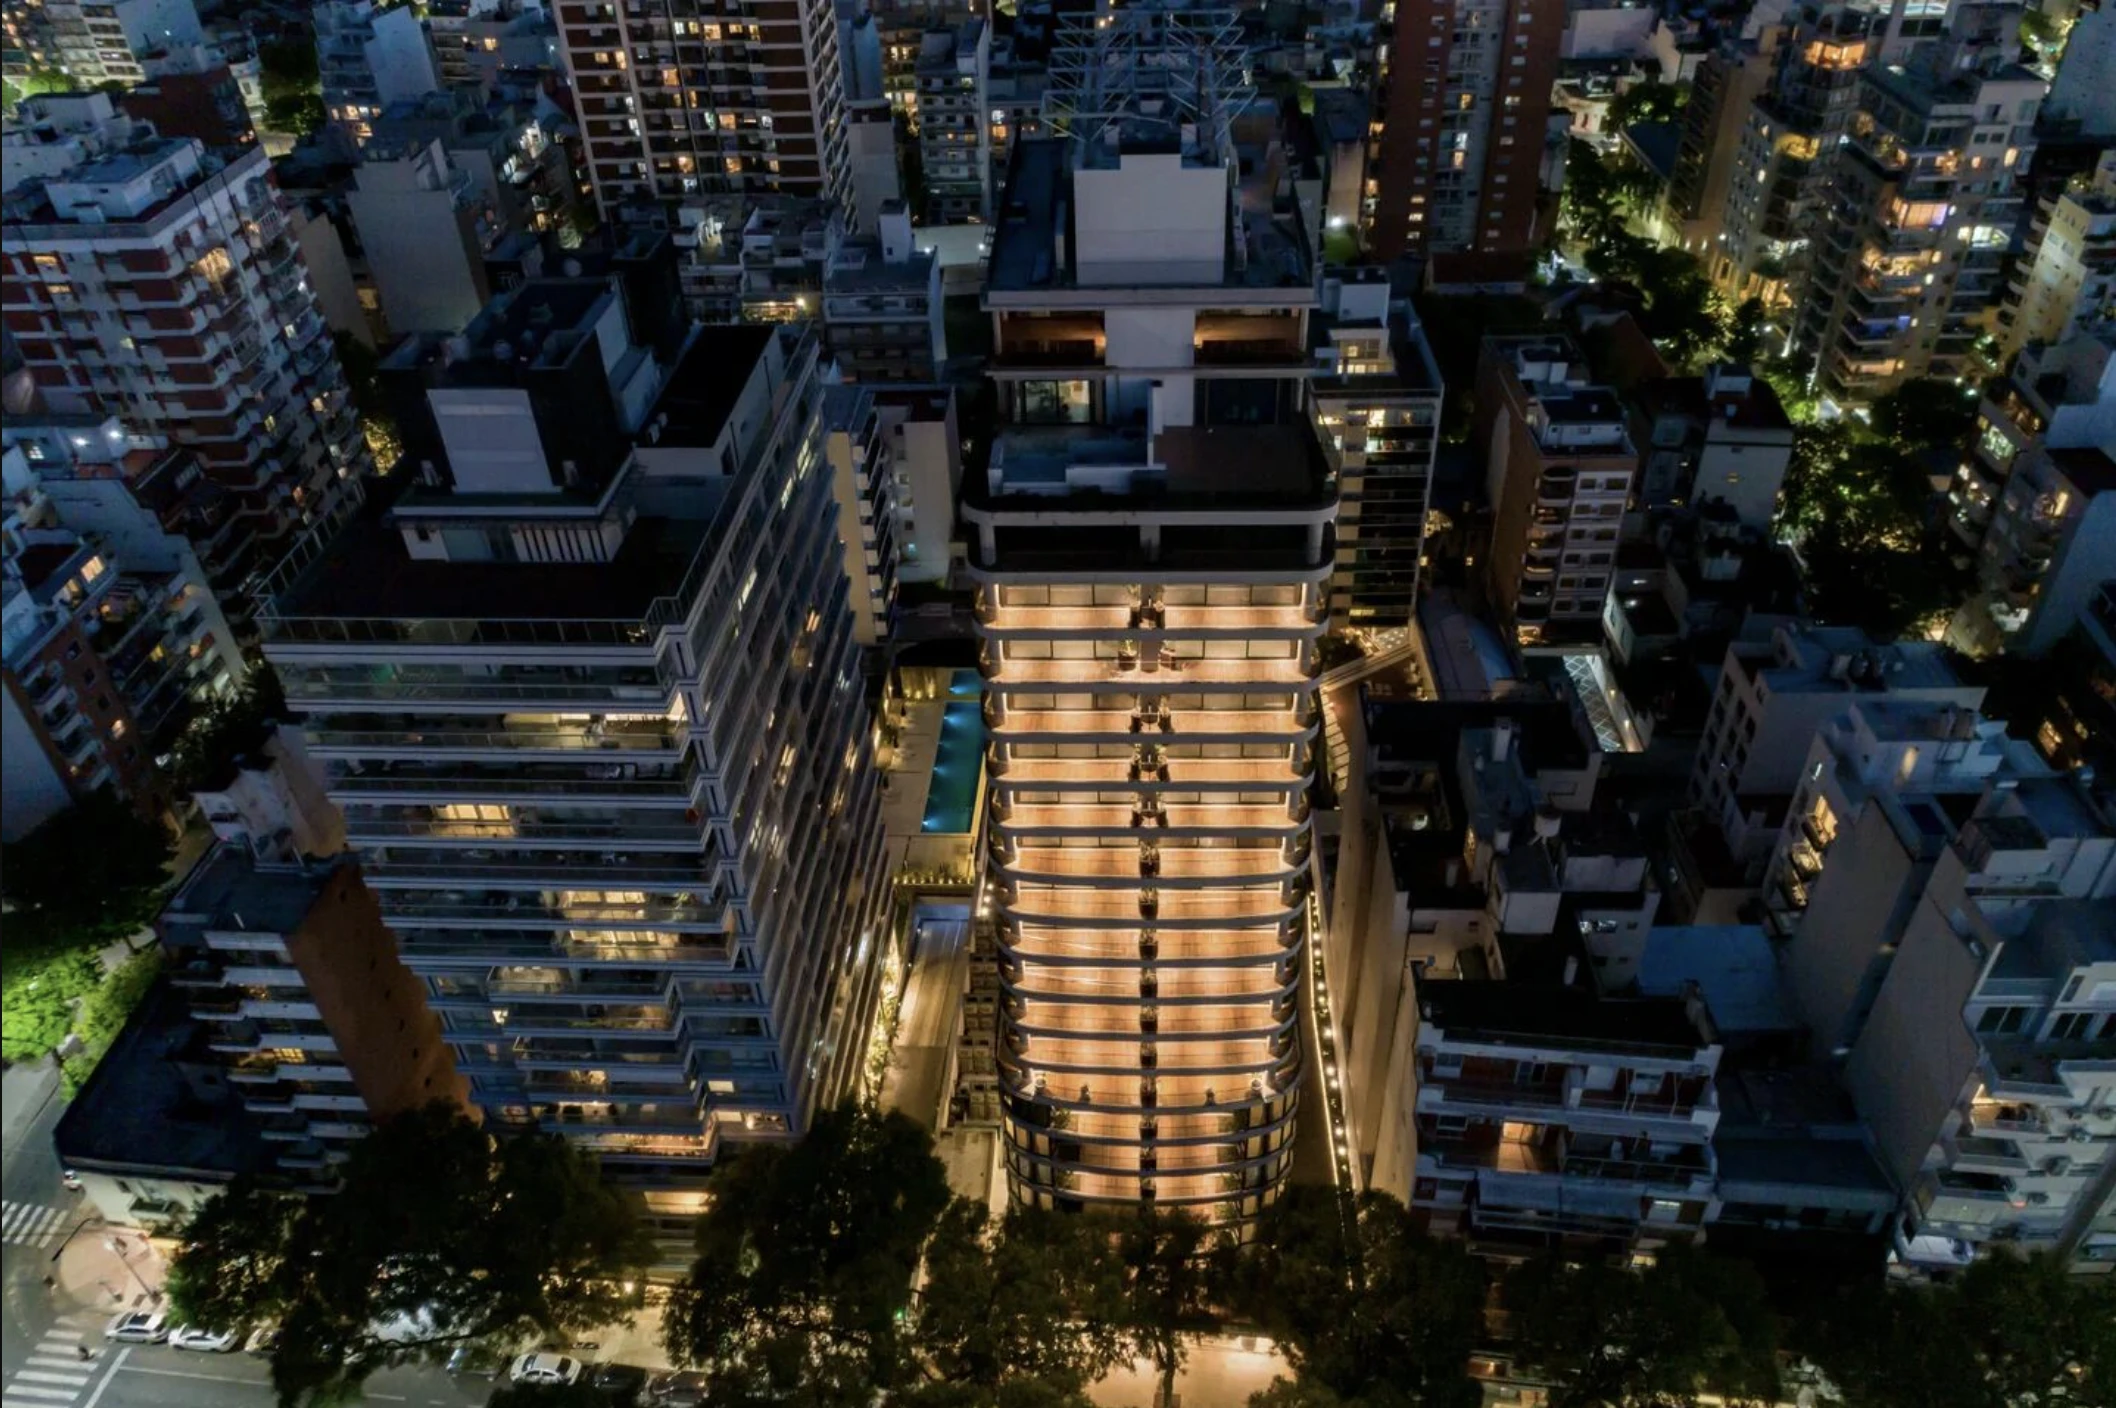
<point>958,763</point>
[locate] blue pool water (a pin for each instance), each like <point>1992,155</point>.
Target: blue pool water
<point>958,764</point>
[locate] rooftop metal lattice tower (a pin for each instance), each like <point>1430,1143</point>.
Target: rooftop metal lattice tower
<point>1152,68</point>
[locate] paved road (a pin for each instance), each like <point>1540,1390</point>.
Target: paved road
<point>36,1214</point>
<point>155,1376</point>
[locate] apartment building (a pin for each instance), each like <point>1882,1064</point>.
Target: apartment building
<point>925,456</point>
<point>425,231</point>
<point>1732,77</point>
<point>1790,132</point>
<point>100,41</point>
<point>1151,545</point>
<point>1983,1067</point>
<point>593,714</point>
<point>2067,283</point>
<point>882,305</point>
<point>1720,441</point>
<point>674,104</point>
<point>110,639</point>
<point>2029,496</point>
<point>1538,1115</point>
<point>1882,753</point>
<point>862,479</point>
<point>1376,401</point>
<point>757,259</point>
<point>1457,142</point>
<point>367,59</point>
<point>154,280</point>
<point>315,1025</point>
<point>1925,197</point>
<point>131,489</point>
<point>954,135</point>
<point>1560,476</point>
<point>1773,695</point>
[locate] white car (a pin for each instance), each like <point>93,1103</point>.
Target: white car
<point>138,1327</point>
<point>206,1341</point>
<point>261,1340</point>
<point>550,1369</point>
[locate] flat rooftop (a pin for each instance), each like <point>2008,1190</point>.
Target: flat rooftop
<point>1027,256</point>
<point>366,574</point>
<point>1520,1013</point>
<point>139,1112</point>
<point>230,890</point>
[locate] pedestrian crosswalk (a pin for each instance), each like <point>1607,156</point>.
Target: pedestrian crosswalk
<point>54,1374</point>
<point>29,1224</point>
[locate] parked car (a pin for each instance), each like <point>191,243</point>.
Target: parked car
<point>262,1340</point>
<point>206,1341</point>
<point>138,1327</point>
<point>544,1369</point>
<point>684,1390</point>
<point>624,1383</point>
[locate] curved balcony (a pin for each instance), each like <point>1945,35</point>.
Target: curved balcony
<point>1176,910</point>
<point>1150,672</point>
<point>1113,622</point>
<point>1171,868</point>
<point>1182,948</point>
<point>1177,819</point>
<point>1261,1099</point>
<point>1041,1022</point>
<point>1228,774</point>
<point>1072,1062</point>
<point>1170,987</point>
<point>1291,724</point>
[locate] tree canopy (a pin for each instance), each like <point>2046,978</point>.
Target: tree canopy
<point>97,866</point>
<point>802,1283</point>
<point>2009,1329</point>
<point>226,731</point>
<point>993,1295</point>
<point>293,89</point>
<point>439,1235</point>
<point>1858,510</point>
<point>1689,1325</point>
<point>1368,1309</point>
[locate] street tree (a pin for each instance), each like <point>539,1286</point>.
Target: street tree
<point>1037,1296</point>
<point>439,1235</point>
<point>1927,413</point>
<point>96,870</point>
<point>1608,1337</point>
<point>1363,1302</point>
<point>1174,1266</point>
<point>802,1282</point>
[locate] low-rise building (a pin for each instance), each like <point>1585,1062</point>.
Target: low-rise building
<point>1719,438</point>
<point>1538,1115</point>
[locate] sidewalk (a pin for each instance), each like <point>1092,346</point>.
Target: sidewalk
<point>25,1089</point>
<point>103,1266</point>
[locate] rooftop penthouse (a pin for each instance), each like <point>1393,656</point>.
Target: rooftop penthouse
<point>1067,230</point>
